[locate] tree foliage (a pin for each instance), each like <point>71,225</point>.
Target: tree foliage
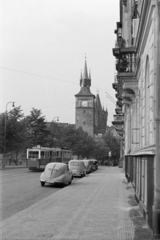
<point>26,131</point>
<point>36,128</point>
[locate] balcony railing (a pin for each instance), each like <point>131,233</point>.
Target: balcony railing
<point>118,121</point>
<point>118,109</point>
<point>126,63</point>
<point>115,84</point>
<point>115,78</point>
<point>119,117</point>
<point>120,43</point>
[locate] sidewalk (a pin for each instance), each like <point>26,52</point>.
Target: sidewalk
<point>13,166</point>
<point>100,206</point>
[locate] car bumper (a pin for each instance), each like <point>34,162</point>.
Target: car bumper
<point>78,174</point>
<point>56,180</point>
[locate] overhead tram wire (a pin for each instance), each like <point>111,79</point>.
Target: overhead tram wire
<point>35,74</point>
<point>109,96</point>
<point>57,79</point>
<point>111,99</point>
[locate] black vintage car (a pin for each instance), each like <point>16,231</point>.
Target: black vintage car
<point>95,163</point>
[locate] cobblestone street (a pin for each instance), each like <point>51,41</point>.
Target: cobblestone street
<point>100,206</point>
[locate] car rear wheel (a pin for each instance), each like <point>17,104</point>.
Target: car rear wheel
<point>42,184</point>
<point>70,182</point>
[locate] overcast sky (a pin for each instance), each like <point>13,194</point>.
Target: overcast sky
<point>43,46</point>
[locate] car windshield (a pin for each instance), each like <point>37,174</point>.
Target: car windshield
<point>74,163</point>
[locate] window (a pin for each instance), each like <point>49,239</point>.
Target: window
<point>74,163</point>
<point>135,26</point>
<point>33,154</point>
<point>147,102</point>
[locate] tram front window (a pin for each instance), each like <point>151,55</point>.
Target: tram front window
<point>33,154</point>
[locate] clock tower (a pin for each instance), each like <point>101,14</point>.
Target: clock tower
<point>85,104</point>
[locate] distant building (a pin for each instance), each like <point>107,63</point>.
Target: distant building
<point>89,112</point>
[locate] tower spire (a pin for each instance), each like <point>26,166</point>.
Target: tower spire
<point>85,73</point>
<point>89,74</point>
<point>81,75</point>
<point>81,78</point>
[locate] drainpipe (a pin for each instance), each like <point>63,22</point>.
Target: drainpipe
<point>156,206</point>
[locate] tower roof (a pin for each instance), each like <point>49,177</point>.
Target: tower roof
<point>85,83</point>
<point>85,91</point>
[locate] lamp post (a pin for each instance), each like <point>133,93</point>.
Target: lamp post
<point>57,118</point>
<point>109,154</point>
<point>5,125</point>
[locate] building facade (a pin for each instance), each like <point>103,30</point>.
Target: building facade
<point>89,112</point>
<point>137,86</point>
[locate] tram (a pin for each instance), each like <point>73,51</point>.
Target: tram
<point>38,157</point>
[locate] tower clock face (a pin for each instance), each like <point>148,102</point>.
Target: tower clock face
<point>84,104</point>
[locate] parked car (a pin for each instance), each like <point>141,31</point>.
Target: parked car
<point>77,168</point>
<point>89,165</point>
<point>93,166</point>
<point>56,173</point>
<point>95,163</point>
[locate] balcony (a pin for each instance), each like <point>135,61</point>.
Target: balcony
<point>119,117</point>
<point>118,110</point>
<point>126,64</point>
<point>118,120</point>
<point>115,84</point>
<point>120,43</point>
<point>119,103</point>
<point>121,49</point>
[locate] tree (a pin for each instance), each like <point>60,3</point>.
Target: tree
<point>15,132</point>
<point>2,116</point>
<point>101,150</point>
<point>36,128</point>
<point>113,144</point>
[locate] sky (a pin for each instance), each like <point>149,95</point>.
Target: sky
<point>43,48</point>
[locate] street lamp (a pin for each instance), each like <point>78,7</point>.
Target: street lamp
<point>109,155</point>
<point>5,124</point>
<point>57,118</point>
